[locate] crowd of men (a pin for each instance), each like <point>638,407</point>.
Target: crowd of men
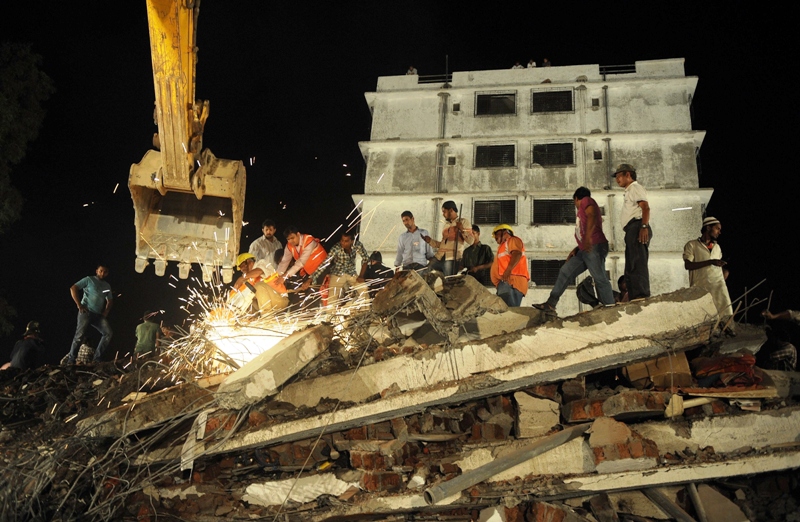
<point>277,277</point>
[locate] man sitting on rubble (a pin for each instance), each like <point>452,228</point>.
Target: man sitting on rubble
<point>702,257</point>
<point>29,351</point>
<point>510,267</point>
<point>478,258</point>
<point>377,274</point>
<point>343,276</point>
<point>260,281</point>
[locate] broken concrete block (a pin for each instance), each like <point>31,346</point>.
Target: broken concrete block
<point>662,372</point>
<point>636,404</point>
<point>617,448</point>
<point>718,507</point>
<point>636,503</point>
<point>304,489</point>
<point>492,514</point>
<point>407,288</point>
<point>468,299</point>
<point>262,376</point>
<point>535,417</point>
<point>153,409</point>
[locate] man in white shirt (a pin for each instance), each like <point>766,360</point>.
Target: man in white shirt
<point>635,219</point>
<point>266,246</point>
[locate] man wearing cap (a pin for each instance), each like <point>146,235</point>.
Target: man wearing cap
<point>702,257</point>
<point>413,252</point>
<point>456,236</point>
<point>509,270</point>
<point>635,219</point>
<point>29,351</point>
<point>260,280</point>
<point>590,254</point>
<point>93,307</point>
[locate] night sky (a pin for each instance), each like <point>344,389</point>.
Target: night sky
<point>286,83</point>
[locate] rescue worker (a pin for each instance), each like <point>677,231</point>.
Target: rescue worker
<point>308,254</point>
<point>456,236</point>
<point>259,280</point>
<point>509,271</point>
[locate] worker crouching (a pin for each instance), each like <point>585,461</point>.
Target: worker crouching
<point>260,283</point>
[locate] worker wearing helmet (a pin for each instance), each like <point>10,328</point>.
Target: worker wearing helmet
<point>29,352</point>
<point>509,271</point>
<point>259,280</point>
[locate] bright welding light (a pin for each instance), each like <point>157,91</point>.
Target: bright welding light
<point>242,343</point>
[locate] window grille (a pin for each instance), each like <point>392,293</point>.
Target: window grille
<point>551,101</point>
<point>496,103</point>
<point>494,212</point>
<point>547,154</point>
<point>553,211</point>
<point>544,272</point>
<point>488,156</point>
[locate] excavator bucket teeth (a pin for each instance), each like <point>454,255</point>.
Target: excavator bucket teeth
<point>199,224</point>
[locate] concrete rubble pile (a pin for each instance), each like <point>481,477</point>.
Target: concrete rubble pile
<point>431,405</point>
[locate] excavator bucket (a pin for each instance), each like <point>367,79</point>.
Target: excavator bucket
<point>189,204</point>
<point>202,226</point>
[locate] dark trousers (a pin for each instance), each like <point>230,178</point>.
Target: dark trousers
<point>637,275</point>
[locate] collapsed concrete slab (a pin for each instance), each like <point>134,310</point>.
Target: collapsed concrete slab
<point>151,410</point>
<point>584,343</point>
<point>558,350</point>
<point>262,376</point>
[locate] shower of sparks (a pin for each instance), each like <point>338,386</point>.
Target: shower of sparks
<point>682,208</point>
<point>379,179</point>
<point>332,233</point>
<point>115,188</point>
<point>354,209</point>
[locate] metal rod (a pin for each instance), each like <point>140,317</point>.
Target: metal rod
<point>698,504</point>
<point>441,491</point>
<point>670,507</point>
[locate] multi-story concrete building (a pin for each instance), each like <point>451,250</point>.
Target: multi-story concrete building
<point>512,146</point>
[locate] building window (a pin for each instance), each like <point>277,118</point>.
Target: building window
<point>553,212</point>
<point>494,211</point>
<point>491,104</point>
<point>552,154</point>
<point>551,101</point>
<point>595,102</point>
<point>489,156</point>
<point>451,160</point>
<point>456,107</point>
<point>544,272</point>
<point>598,154</point>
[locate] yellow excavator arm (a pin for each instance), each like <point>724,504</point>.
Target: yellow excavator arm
<point>188,204</point>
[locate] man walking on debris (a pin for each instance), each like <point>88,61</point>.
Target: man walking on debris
<point>635,218</point>
<point>148,333</point>
<point>456,236</point>
<point>702,257</point>
<point>93,307</point>
<point>265,246</point>
<point>478,258</point>
<point>308,254</point>
<point>590,254</point>
<point>510,267</point>
<point>413,252</point>
<point>343,267</point>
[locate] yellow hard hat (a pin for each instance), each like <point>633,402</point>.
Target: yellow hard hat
<point>244,257</point>
<point>498,228</point>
